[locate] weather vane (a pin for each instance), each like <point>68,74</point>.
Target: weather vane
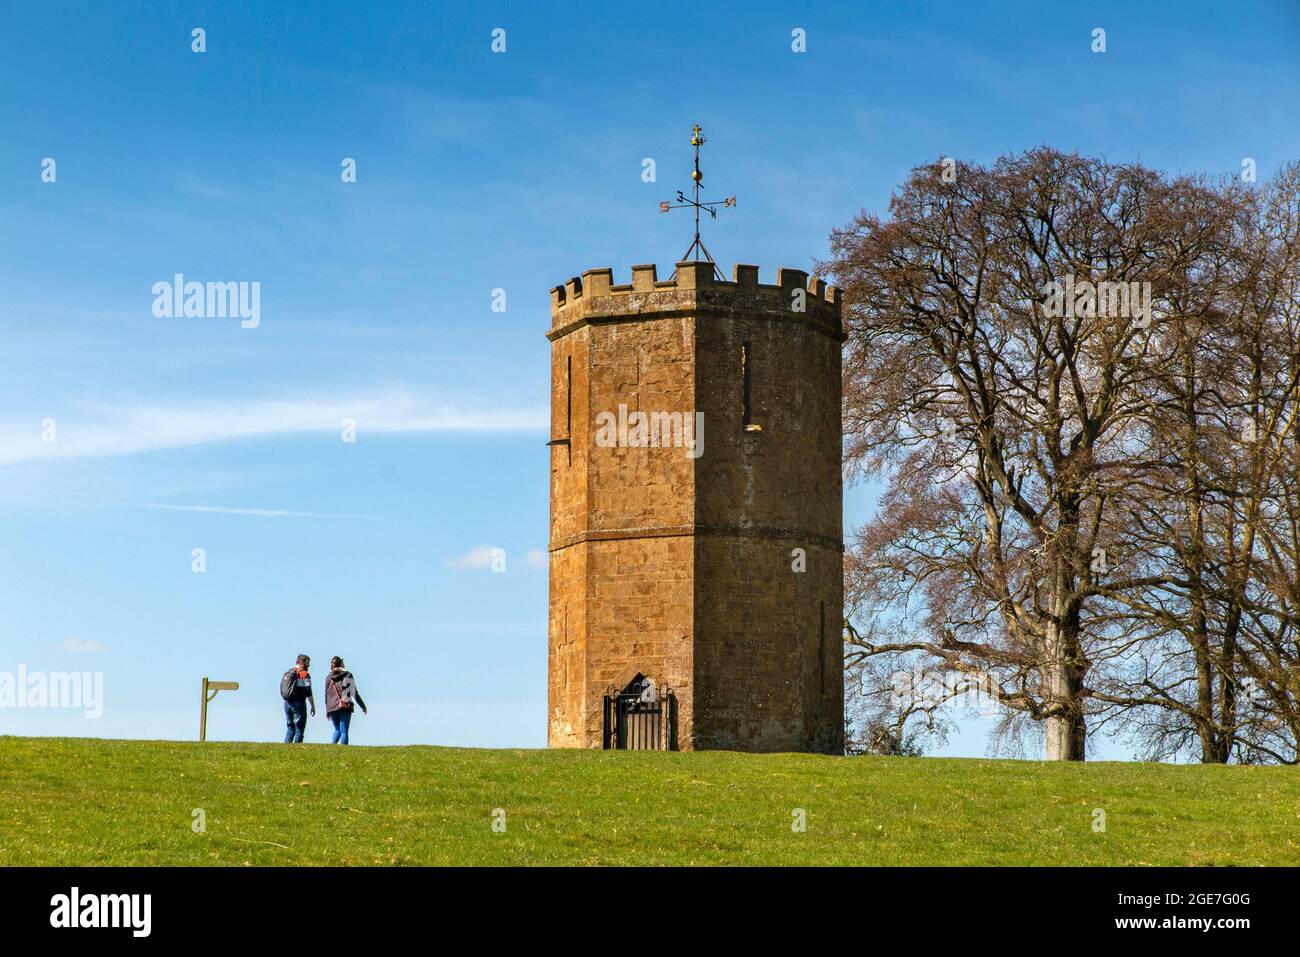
<point>697,250</point>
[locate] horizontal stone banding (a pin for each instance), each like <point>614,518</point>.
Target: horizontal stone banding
<point>681,531</point>
<point>702,309</point>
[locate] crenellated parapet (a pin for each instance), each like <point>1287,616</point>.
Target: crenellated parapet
<point>594,296</point>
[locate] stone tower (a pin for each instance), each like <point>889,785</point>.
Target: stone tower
<point>696,512</point>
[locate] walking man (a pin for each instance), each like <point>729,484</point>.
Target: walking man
<point>295,689</point>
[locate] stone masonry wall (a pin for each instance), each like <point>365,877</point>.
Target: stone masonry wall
<point>769,671</point>
<point>680,567</point>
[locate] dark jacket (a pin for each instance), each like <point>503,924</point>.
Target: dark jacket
<point>341,687</point>
<point>301,685</point>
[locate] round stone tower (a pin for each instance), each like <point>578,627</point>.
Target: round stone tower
<point>696,509</point>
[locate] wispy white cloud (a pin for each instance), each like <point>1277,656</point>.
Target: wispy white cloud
<point>92,429</point>
<point>81,646</point>
<point>235,510</point>
<point>485,556</point>
<point>171,507</point>
<point>480,556</point>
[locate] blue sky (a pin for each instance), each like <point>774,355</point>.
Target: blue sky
<point>475,171</point>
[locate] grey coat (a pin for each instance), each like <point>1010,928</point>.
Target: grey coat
<point>340,691</point>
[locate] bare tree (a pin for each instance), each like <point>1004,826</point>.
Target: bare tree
<point>1263,513</point>
<point>1169,685</point>
<point>1210,511</point>
<point>1005,414</point>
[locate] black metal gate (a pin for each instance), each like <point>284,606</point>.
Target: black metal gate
<point>641,717</point>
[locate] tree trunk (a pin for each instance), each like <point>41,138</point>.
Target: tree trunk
<point>1066,736</point>
<point>1205,723</point>
<point>1214,748</point>
<point>1064,666</point>
<point>1064,726</point>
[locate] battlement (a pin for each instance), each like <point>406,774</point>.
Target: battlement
<point>594,293</point>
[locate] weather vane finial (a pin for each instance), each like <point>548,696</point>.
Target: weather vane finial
<point>697,250</point>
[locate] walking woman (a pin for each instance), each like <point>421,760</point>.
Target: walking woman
<point>340,697</point>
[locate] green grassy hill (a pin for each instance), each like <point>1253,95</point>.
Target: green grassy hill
<point>79,801</point>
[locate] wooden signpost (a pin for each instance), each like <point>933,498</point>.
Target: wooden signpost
<point>210,689</point>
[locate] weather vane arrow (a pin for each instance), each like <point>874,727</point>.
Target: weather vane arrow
<point>697,251</point>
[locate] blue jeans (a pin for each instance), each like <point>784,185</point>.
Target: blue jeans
<point>340,720</point>
<point>295,720</point>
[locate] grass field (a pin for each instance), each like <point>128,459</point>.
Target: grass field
<point>81,801</point>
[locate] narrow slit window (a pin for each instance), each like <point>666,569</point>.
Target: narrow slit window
<point>565,439</point>
<point>746,383</point>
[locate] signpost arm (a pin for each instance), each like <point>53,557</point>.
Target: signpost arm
<point>210,689</point>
